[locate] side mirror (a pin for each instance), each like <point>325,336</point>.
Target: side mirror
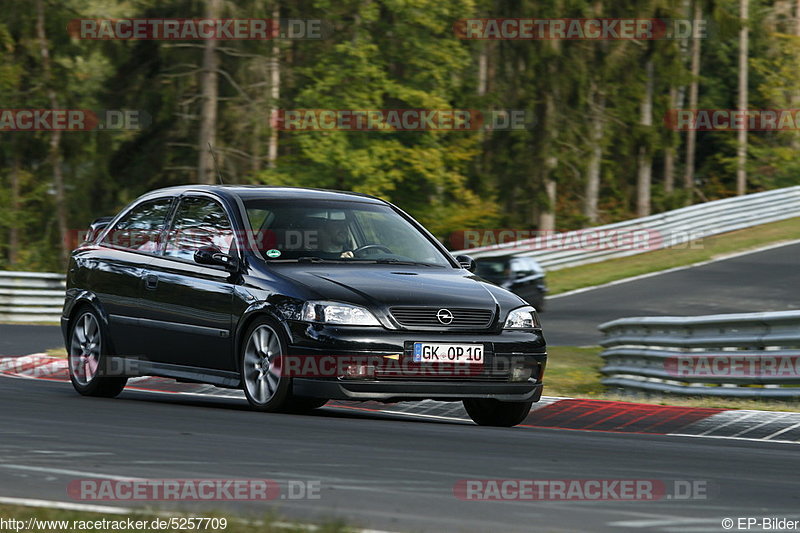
<point>96,227</point>
<point>467,262</point>
<point>213,256</point>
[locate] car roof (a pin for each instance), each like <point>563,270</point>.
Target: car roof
<point>248,192</point>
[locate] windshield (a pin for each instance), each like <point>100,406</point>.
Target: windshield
<point>495,271</point>
<point>338,231</point>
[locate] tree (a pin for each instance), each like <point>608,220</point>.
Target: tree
<point>209,85</point>
<point>744,36</point>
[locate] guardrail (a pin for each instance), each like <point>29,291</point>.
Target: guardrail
<point>31,296</point>
<point>752,355</point>
<point>671,228</point>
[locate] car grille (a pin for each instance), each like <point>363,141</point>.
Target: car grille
<point>427,317</point>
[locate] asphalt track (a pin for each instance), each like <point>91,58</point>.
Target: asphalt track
<point>20,339</point>
<point>762,281</point>
<point>378,471</point>
<point>391,473</point>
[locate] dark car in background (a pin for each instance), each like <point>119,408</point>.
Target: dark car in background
<point>257,287</point>
<point>521,275</point>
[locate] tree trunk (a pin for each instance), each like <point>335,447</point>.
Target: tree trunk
<point>275,92</point>
<point>13,231</point>
<point>55,136</point>
<point>694,89</point>
<point>796,95</point>
<point>645,160</point>
<point>483,68</point>
<point>669,151</point>
<point>741,152</point>
<point>547,215</point>
<point>209,87</point>
<point>797,18</point>
<point>597,101</point>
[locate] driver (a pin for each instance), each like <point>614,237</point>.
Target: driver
<point>334,238</point>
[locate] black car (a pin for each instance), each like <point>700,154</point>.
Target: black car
<point>521,275</point>
<point>296,296</point>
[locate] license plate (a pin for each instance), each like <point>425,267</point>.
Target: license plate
<point>429,352</point>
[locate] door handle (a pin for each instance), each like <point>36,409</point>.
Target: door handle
<point>151,281</point>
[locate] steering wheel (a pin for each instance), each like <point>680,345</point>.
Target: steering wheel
<point>360,249</point>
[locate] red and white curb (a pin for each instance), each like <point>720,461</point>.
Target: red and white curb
<point>555,413</point>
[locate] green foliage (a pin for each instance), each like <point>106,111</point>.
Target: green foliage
<point>387,54</point>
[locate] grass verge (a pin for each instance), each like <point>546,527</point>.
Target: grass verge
<point>70,521</point>
<point>60,353</point>
<point>574,372</point>
<point>569,279</point>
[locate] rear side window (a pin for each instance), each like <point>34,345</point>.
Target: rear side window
<point>521,267</point>
<point>199,222</point>
<point>493,270</point>
<point>534,267</point>
<point>140,229</point>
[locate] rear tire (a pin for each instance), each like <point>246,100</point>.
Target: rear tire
<point>489,412</point>
<point>264,386</point>
<point>86,359</point>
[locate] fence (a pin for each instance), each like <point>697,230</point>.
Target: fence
<point>31,296</point>
<point>738,355</point>
<point>671,228</point>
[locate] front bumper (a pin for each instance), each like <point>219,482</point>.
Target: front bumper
<point>399,391</point>
<point>502,350</point>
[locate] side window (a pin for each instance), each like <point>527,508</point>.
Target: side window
<point>534,267</point>
<point>519,268</point>
<point>199,222</point>
<point>140,229</point>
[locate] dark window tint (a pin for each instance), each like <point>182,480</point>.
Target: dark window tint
<point>492,270</point>
<point>140,229</point>
<point>338,231</point>
<point>199,222</point>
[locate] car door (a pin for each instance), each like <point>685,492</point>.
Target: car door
<point>120,261</point>
<point>188,306</point>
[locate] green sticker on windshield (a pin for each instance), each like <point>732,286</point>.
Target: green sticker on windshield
<point>273,253</point>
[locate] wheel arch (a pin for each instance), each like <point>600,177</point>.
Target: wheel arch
<point>254,312</point>
<point>88,300</point>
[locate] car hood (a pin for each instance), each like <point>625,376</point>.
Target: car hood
<point>392,286</point>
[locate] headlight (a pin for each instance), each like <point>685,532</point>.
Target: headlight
<point>523,318</point>
<point>337,313</point>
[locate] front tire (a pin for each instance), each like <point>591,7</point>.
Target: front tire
<point>489,412</point>
<point>264,386</point>
<point>86,358</point>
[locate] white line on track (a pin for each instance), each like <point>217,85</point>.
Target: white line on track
<point>782,431</point>
<point>66,472</point>
<point>749,439</point>
<point>67,506</point>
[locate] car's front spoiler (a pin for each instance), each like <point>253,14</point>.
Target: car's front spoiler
<point>395,391</point>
